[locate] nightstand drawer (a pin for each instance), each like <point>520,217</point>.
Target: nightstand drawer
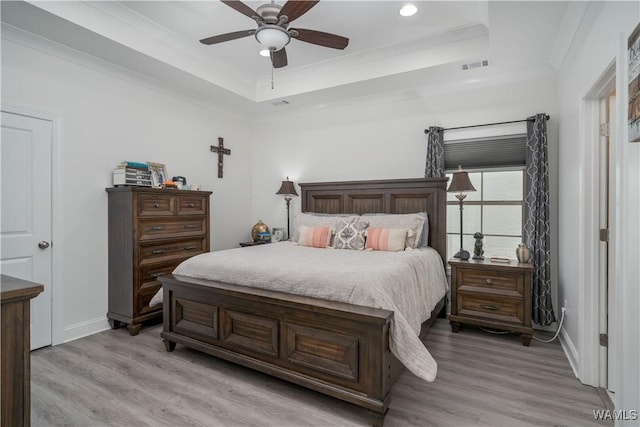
<point>494,282</point>
<point>494,308</point>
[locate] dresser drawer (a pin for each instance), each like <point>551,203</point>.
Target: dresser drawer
<point>148,275</point>
<point>171,227</point>
<point>144,298</point>
<point>491,282</point>
<point>170,250</point>
<point>489,307</point>
<point>155,205</point>
<point>190,204</point>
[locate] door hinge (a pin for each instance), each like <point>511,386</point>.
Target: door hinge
<point>604,340</point>
<point>604,234</point>
<point>604,129</point>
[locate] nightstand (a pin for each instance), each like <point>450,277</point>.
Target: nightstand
<point>492,294</point>
<point>245,244</point>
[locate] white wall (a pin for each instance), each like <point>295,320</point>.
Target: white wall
<point>377,138</point>
<point>598,43</point>
<point>103,120</point>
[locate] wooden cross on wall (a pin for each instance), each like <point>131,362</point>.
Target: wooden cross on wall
<point>221,152</point>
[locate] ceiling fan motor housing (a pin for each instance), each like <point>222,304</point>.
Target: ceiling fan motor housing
<point>269,12</point>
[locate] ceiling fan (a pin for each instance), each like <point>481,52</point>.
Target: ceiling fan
<point>273,33</point>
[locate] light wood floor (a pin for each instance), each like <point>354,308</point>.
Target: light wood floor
<point>114,379</point>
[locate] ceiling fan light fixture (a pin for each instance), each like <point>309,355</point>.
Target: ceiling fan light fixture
<point>265,52</point>
<point>408,10</point>
<point>272,37</point>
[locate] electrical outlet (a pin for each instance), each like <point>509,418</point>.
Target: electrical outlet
<point>564,307</point>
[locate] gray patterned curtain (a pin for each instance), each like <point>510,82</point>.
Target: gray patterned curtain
<point>536,226</point>
<point>434,165</point>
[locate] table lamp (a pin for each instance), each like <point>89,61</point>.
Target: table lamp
<point>288,190</point>
<point>460,184</point>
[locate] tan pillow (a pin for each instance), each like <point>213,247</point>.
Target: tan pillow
<point>311,220</point>
<point>316,237</point>
<point>412,222</point>
<point>386,239</point>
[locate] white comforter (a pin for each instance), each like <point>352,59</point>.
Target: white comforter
<point>409,283</point>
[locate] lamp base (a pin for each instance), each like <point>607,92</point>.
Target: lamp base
<point>462,255</point>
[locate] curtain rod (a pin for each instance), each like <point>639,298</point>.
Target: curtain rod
<point>492,124</point>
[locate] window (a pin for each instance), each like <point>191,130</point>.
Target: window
<point>496,209</point>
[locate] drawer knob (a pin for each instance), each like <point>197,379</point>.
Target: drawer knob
<point>156,275</point>
<point>488,307</point>
<point>156,228</point>
<point>190,226</point>
<point>158,251</point>
<point>489,282</point>
<point>189,248</point>
<point>156,205</point>
<point>190,205</point>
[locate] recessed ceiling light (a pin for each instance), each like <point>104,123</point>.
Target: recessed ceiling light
<point>408,10</point>
<point>265,52</point>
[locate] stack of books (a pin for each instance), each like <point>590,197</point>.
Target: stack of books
<point>132,173</point>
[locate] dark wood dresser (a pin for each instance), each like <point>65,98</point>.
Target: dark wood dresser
<point>15,375</point>
<point>151,231</point>
<point>492,294</point>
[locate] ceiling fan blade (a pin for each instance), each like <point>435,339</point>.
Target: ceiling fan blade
<point>295,9</point>
<point>323,39</point>
<point>242,8</point>
<point>279,58</point>
<point>226,37</point>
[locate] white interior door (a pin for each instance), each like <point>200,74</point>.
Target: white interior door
<point>611,333</point>
<point>25,209</point>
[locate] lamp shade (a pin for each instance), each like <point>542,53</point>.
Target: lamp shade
<point>460,182</point>
<point>272,37</point>
<point>287,189</point>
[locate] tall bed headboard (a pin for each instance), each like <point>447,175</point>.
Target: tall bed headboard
<point>394,196</point>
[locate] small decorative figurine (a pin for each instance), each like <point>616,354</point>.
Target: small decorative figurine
<point>477,248</point>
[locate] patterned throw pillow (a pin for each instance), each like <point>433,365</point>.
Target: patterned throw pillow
<point>350,234</point>
<point>317,237</point>
<point>386,239</point>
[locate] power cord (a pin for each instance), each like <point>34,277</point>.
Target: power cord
<point>564,310</point>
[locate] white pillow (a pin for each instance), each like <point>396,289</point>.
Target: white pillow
<point>314,220</point>
<point>413,222</point>
<point>424,237</point>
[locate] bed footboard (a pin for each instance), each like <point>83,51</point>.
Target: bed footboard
<point>335,348</point>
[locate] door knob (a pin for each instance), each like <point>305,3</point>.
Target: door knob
<point>43,244</point>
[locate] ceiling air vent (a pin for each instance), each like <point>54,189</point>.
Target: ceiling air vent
<point>477,64</point>
<point>280,103</point>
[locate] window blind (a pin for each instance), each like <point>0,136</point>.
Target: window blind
<point>486,152</point>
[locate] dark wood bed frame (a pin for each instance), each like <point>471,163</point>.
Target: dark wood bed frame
<point>338,349</point>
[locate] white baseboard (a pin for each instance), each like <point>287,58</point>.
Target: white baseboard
<point>569,351</point>
<point>83,329</point>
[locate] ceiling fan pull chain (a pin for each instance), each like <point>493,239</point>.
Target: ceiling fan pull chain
<point>272,85</point>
